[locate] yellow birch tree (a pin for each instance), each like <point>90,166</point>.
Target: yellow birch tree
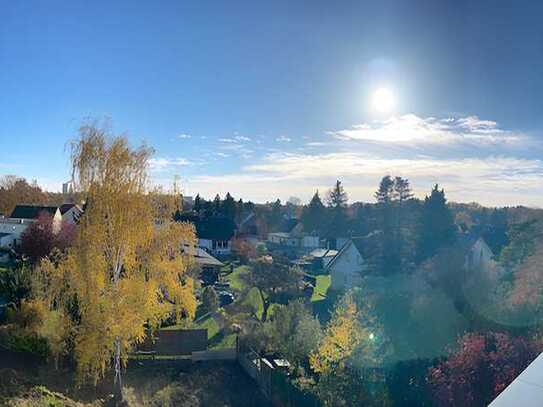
<point>344,337</point>
<point>125,272</point>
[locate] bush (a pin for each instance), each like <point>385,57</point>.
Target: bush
<point>261,249</point>
<point>22,342</point>
<point>15,284</point>
<point>210,300</point>
<point>28,316</point>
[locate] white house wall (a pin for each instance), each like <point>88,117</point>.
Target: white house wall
<point>346,271</point>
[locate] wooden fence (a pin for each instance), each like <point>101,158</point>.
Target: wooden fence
<point>176,342</point>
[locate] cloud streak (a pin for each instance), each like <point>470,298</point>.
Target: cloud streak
<point>413,129</point>
<point>163,163</point>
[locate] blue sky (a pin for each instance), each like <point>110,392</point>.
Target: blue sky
<point>274,100</point>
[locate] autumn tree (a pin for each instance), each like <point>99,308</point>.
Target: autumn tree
<point>244,249</point>
<point>294,331</point>
<point>522,242</point>
<point>273,280</point>
<point>528,282</point>
<point>345,336</point>
<point>40,238</point>
<point>481,368</point>
<point>123,274</point>
<point>16,190</point>
<point>37,240</point>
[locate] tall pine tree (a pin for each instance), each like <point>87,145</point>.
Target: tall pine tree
<point>217,205</point>
<point>197,207</point>
<point>437,225</point>
<point>314,215</point>
<point>228,207</point>
<point>337,202</point>
<point>385,196</point>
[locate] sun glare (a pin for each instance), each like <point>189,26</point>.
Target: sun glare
<point>383,100</point>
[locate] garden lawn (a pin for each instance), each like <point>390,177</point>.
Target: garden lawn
<point>236,283</point>
<point>323,284</point>
<point>205,323</point>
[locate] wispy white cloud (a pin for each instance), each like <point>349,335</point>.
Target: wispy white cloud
<point>283,139</point>
<point>413,129</point>
<point>163,163</point>
<point>184,136</point>
<point>235,139</point>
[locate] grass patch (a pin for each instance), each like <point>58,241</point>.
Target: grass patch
<point>222,341</point>
<point>321,289</point>
<point>254,300</point>
<point>234,278</point>
<point>210,324</point>
<point>205,323</point>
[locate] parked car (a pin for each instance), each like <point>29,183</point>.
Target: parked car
<point>226,298</point>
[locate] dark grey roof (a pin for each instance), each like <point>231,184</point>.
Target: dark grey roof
<point>65,208</point>
<point>287,225</point>
<point>369,245</point>
<point>214,228</point>
<point>200,256</point>
<point>205,259</point>
<point>466,241</point>
<point>32,211</point>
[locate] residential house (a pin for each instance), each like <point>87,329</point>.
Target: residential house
<point>249,228</point>
<point>292,240</point>
<point>209,267</point>
<point>322,257</point>
<point>31,213</point>
<point>70,213</point>
<point>478,255</point>
<point>214,234</point>
<point>21,217</point>
<point>348,266</point>
<point>316,261</point>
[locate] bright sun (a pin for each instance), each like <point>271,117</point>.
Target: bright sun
<point>383,100</point>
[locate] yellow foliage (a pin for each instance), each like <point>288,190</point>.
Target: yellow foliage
<point>343,334</point>
<point>125,271</point>
<point>29,316</point>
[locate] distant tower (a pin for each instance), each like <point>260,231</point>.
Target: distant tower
<point>68,188</point>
